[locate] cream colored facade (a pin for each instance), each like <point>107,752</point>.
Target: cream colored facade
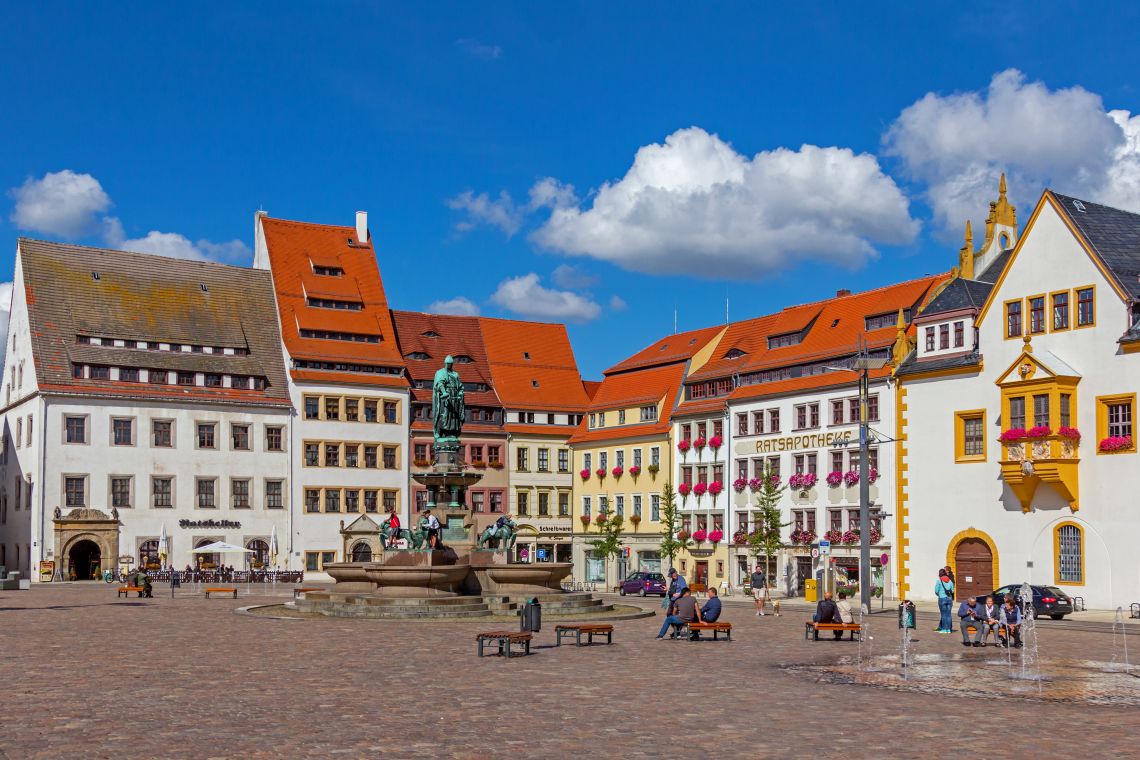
<point>542,494</point>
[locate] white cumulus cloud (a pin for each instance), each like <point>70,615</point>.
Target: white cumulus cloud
<point>65,204</point>
<point>572,278</point>
<point>527,297</point>
<point>498,212</point>
<point>176,246</point>
<point>958,144</point>
<point>617,303</point>
<point>459,306</point>
<point>696,206</point>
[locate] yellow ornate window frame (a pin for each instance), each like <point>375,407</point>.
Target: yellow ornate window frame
<point>1057,553</point>
<point>1102,404</point>
<point>1005,315</point>
<point>960,418</point>
<point>1076,307</point>
<point>1068,309</point>
<point>1045,316</point>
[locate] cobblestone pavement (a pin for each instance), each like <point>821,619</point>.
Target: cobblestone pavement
<point>88,675</point>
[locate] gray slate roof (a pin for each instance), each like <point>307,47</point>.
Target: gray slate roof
<point>140,297</point>
<point>996,267</point>
<point>959,294</point>
<point>910,365</point>
<point>1114,236</point>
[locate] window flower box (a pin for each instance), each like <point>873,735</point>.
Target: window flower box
<point>872,475</point>
<point>716,487</point>
<point>715,442</point>
<point>755,484</point>
<point>496,465</point>
<point>480,464</point>
<point>635,470</point>
<point>618,472</point>
<point>654,469</point>
<point>585,474</point>
<point>802,537</point>
<point>802,481</point>
<point>684,445</point>
<point>600,472</point>
<point>700,489</point>
<point>849,538</point>
<point>1038,432</point>
<point>1013,435</point>
<point>700,535</point>
<point>739,538</point>
<point>851,477</point>
<point>683,535</point>
<point>834,478</point>
<point>585,520</point>
<point>834,536</point>
<point>716,536</point>
<point>421,462</point>
<point>699,443</point>
<point>1071,433</point>
<point>739,485</point>
<point>1115,443</point>
<point>635,519</point>
<point>684,489</point>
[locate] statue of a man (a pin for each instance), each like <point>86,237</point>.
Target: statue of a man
<point>447,407</point>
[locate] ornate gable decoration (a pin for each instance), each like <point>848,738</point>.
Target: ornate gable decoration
<point>1031,366</point>
<point>362,525</point>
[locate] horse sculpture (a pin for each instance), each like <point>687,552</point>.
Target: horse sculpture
<point>416,539</point>
<point>503,536</point>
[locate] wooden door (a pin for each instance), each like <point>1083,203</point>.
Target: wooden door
<point>702,574</point>
<point>973,569</point>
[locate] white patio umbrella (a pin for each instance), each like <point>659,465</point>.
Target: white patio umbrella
<point>163,549</point>
<point>273,548</point>
<point>221,547</point>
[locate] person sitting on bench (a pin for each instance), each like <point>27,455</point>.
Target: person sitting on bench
<point>710,611</point>
<point>685,611</point>
<point>827,612</point>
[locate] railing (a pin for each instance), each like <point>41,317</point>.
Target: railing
<point>221,576</point>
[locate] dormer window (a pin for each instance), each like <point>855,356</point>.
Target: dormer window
<point>463,359</point>
<point>418,356</point>
<point>887,319</point>
<point>526,355</point>
<point>328,271</point>
<point>734,353</point>
<point>430,334</point>
<point>787,339</point>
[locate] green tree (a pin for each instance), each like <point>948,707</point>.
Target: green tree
<point>608,544</point>
<point>765,537</point>
<point>670,544</point>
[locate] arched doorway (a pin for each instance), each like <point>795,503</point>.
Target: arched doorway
<point>362,552</point>
<point>260,557</point>
<point>973,568</point>
<point>85,560</point>
<point>207,561</point>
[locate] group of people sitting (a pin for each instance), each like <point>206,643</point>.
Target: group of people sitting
<point>1003,621</point>
<point>827,610</point>
<point>141,580</point>
<point>683,609</point>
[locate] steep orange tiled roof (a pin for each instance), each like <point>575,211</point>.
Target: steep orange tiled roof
<point>591,387</point>
<point>294,249</point>
<point>678,347</point>
<point>634,388</point>
<point>425,340</point>
<point>800,384</point>
<point>532,365</point>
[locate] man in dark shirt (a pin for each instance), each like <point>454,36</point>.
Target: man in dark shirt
<point>711,609</point>
<point>827,612</point>
<point>684,612</point>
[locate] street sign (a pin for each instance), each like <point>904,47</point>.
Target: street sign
<point>815,552</point>
<point>883,559</point>
<point>825,548</point>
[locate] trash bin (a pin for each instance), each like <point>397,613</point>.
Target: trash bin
<point>530,615</point>
<point>906,615</point>
<point>809,590</point>
<point>175,579</point>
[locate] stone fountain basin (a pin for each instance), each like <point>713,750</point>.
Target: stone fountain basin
<point>416,580</point>
<point>522,578</point>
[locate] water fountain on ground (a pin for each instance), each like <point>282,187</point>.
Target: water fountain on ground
<point>1120,661</point>
<point>1028,654</point>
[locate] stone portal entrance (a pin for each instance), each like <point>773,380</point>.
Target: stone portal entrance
<point>973,568</point>
<point>86,542</point>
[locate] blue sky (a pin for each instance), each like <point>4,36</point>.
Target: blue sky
<point>798,149</point>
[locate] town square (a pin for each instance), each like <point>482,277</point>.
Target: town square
<point>473,380</point>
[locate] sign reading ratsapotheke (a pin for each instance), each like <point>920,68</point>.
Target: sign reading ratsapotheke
<point>209,524</point>
<point>794,442</point>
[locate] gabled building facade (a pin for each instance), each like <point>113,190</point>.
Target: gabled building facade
<point>346,381</point>
<point>1020,455</point>
<point>623,454</point>
<point>144,395</point>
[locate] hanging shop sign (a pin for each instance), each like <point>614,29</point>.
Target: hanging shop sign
<point>796,442</point>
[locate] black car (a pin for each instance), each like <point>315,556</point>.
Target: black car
<point>1047,600</point>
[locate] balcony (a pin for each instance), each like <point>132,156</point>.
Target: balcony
<point>1053,459</point>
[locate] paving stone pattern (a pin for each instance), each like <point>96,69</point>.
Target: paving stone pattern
<point>85,674</point>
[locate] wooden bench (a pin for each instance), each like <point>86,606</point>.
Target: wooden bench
<point>716,628</point>
<point>298,591</point>
<point>588,630</point>
<point>221,590</point>
<point>812,629</point>
<point>126,590</point>
<point>503,641</point>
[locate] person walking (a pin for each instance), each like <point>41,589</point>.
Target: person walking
<point>944,590</point>
<point>759,589</point>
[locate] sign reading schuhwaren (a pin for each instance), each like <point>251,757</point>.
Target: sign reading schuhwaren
<point>209,524</point>
<point>794,442</point>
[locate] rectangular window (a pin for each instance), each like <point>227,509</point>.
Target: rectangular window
<point>853,409</point>
<point>649,413</point>
<point>185,378</point>
<point>621,416</point>
<point>1119,414</point>
<point>522,456</point>
<point>1016,412</point>
<point>391,411</point>
<point>564,459</point>
<point>351,410</point>
<point>370,408</point>
<point>1065,411</point>
<point>811,464</point>
<point>1037,314</point>
<point>351,455</point>
<point>100,373</point>
<point>1041,410</point>
<point>654,507</point>
<point>835,519</point>
<point>351,500</point>
<point>476,454</point>
<point>757,423</point>
<point>122,432</point>
<point>603,460</point>
<point>274,440</point>
<point>544,460</point>
<point>332,455</point>
<point>76,429</point>
<point>773,420</point>
<point>162,433</point>
<point>493,457</point>
<point>837,461</point>
<point>332,408</point>
<point>837,412</point>
<point>772,464</point>
<point>128,375</point>
<point>1013,319</point>
<point>239,437</point>
<point>1070,559</point>
<point>239,491</point>
<point>206,431</point>
<point>157,376</point>
<point>370,503</point>
<point>75,492</point>
<point>211,380</point>
<point>390,498</point>
<point>813,415</point>
<point>389,457</point>
<point>586,458</point>
<point>544,504</point>
<point>421,501</point>
<point>959,334</point>
<point>332,500</point>
<point>312,407</point>
<point>619,505</point>
<point>121,493</point>
<point>421,453</point>
<point>800,461</point>
<point>496,501</point>
<point>312,500</point>
<point>162,492</point>
<point>930,339</point>
<point>801,417</point>
<point>477,501</point>
<point>586,506</point>
<point>872,408</point>
<point>204,487</point>
<point>943,337</point>
<point>1061,311</point>
<point>1086,307</point>
<point>969,436</point>
<point>274,494</point>
<point>312,455</point>
<point>563,503</point>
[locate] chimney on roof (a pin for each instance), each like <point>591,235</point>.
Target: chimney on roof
<point>362,226</point>
<point>842,292</point>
